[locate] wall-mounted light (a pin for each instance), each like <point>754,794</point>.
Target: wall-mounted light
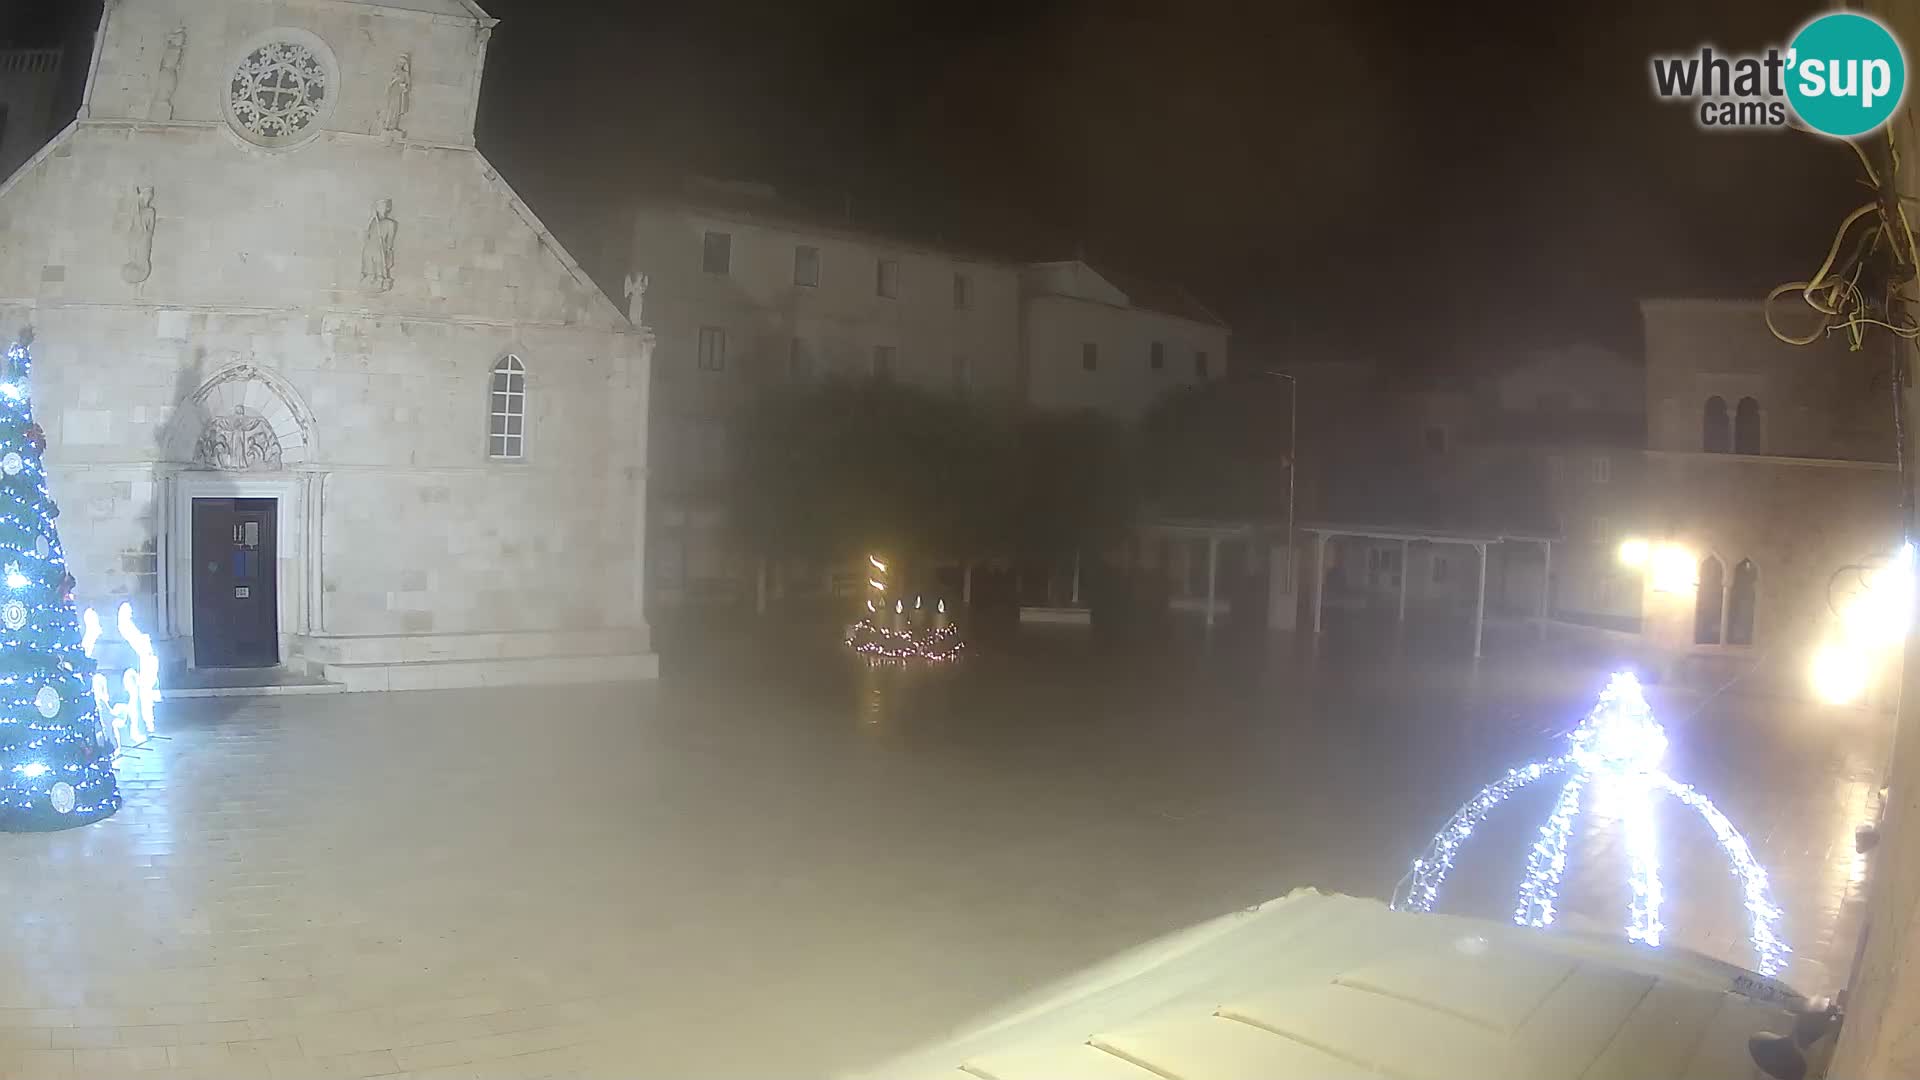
<point>1839,674</point>
<point>1674,569</point>
<point>1633,552</point>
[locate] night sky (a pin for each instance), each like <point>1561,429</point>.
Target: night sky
<point>1419,183</point>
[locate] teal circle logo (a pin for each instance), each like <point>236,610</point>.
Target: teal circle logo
<point>1845,74</point>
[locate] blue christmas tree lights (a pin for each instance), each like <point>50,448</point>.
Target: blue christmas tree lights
<point>56,757</point>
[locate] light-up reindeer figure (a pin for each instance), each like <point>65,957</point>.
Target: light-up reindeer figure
<point>132,717</point>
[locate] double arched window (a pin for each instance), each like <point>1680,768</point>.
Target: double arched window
<point>507,411</point>
<point>1730,432</point>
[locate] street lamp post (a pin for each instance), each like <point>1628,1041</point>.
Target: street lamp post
<point>1293,464</point>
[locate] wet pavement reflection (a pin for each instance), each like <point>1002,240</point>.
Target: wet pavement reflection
<point>779,860</point>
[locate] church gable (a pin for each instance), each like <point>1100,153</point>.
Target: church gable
<point>409,70</point>
<point>141,217</point>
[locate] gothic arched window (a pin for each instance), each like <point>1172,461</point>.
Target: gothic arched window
<point>1716,429</point>
<point>1746,427</point>
<point>1741,596</point>
<point>1709,602</point>
<point>507,416</point>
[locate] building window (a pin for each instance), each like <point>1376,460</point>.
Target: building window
<point>716,253</point>
<point>1436,438</point>
<point>1746,427</point>
<point>1740,603</point>
<point>1716,430</point>
<point>806,266</point>
<point>962,374</point>
<point>1089,357</point>
<point>1709,602</point>
<point>1200,364</point>
<point>507,413</point>
<point>799,361</point>
<point>713,349</point>
<point>962,291</point>
<point>1603,532</point>
<point>1157,356</point>
<point>1602,470</point>
<point>882,361</point>
<point>1439,569</point>
<point>1383,566</point>
<point>886,279</point>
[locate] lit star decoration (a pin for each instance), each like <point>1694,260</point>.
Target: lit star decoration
<point>910,637</point>
<point>56,764</point>
<point>1618,747</point>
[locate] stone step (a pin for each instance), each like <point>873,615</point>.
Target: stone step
<point>241,682</point>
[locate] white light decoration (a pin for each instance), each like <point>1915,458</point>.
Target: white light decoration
<point>1618,746</point>
<point>16,579</point>
<point>33,770</point>
<point>133,714</point>
<point>903,641</point>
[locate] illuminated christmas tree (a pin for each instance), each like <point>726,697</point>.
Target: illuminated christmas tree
<point>56,761</point>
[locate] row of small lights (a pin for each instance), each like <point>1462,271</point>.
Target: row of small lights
<point>1872,626</point>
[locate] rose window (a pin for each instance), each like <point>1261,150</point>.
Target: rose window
<point>279,90</point>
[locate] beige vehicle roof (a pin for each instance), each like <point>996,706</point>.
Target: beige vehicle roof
<point>1322,986</point>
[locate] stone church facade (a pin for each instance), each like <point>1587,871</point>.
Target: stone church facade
<point>319,390</point>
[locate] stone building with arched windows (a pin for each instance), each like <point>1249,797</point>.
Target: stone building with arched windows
<point>320,391</point>
<point>1771,467</point>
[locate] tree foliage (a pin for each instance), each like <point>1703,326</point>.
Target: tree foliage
<point>1217,450</point>
<point>834,468</point>
<point>838,467</point>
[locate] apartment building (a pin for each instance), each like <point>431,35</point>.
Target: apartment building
<point>742,293</point>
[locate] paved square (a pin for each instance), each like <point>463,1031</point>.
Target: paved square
<point>797,867</point>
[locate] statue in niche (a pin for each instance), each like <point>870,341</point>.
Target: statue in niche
<point>139,238</point>
<point>376,252</point>
<point>399,96</point>
<point>636,290</point>
<point>237,443</point>
<point>169,80</point>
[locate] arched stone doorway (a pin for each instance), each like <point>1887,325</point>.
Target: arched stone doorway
<point>240,521</point>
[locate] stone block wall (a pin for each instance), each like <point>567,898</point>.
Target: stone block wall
<point>1821,400</point>
<point>422,534</point>
<point>446,56</point>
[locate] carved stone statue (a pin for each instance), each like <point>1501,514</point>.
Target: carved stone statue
<point>399,96</point>
<point>636,290</point>
<point>238,442</point>
<point>376,253</point>
<point>139,238</point>
<point>161,107</point>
